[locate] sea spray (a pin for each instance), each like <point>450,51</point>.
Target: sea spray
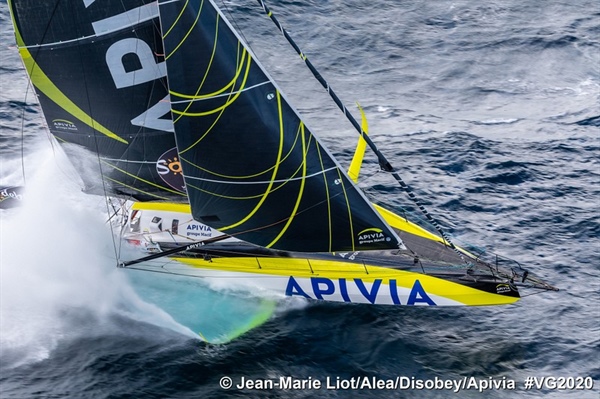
<point>59,260</point>
<point>57,257</point>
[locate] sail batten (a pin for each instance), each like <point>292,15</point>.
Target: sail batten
<point>252,167</point>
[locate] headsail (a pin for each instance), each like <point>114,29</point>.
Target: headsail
<point>252,168</point>
<point>98,70</point>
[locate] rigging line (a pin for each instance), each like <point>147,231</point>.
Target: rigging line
<point>138,178</point>
<point>130,195</point>
<point>31,84</point>
<point>59,43</point>
<point>139,135</point>
<point>95,135</point>
<point>383,161</point>
<point>136,136</point>
<point>23,132</point>
<point>197,244</point>
<point>292,146</point>
<point>30,74</point>
<point>291,178</point>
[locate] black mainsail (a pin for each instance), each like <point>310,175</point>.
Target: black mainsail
<point>100,77</point>
<point>252,168</point>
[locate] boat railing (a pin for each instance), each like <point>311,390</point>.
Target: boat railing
<point>314,266</point>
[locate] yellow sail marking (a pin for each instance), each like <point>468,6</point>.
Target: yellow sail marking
<point>247,176</point>
<point>273,176</point>
<point>230,99</point>
<point>167,56</point>
<point>209,66</point>
<point>205,133</point>
<point>220,114</point>
<point>293,175</point>
<point>46,86</point>
<point>302,184</point>
<point>326,196</point>
<point>239,63</point>
<point>183,9</point>
<point>250,197</point>
<point>341,180</point>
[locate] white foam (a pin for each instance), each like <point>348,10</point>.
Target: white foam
<point>56,255</point>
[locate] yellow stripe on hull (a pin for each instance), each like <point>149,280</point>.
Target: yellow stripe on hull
<point>162,206</point>
<point>350,282</point>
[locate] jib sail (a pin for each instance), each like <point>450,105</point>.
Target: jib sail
<point>252,168</point>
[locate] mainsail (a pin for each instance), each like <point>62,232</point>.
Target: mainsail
<point>251,166</point>
<point>100,77</point>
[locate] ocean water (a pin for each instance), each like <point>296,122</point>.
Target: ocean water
<point>489,110</point>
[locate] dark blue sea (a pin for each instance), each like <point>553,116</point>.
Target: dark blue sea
<point>490,111</point>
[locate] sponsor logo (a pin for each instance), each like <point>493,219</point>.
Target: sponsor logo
<point>321,288</point>
<point>371,236</point>
<point>503,288</point>
<point>63,124</point>
<point>198,230</point>
<point>168,167</point>
<point>6,193</point>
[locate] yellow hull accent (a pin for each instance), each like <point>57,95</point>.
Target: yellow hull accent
<point>162,206</point>
<point>305,268</point>
<point>404,224</point>
<point>301,268</point>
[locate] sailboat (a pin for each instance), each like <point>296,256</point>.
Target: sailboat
<point>163,105</point>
